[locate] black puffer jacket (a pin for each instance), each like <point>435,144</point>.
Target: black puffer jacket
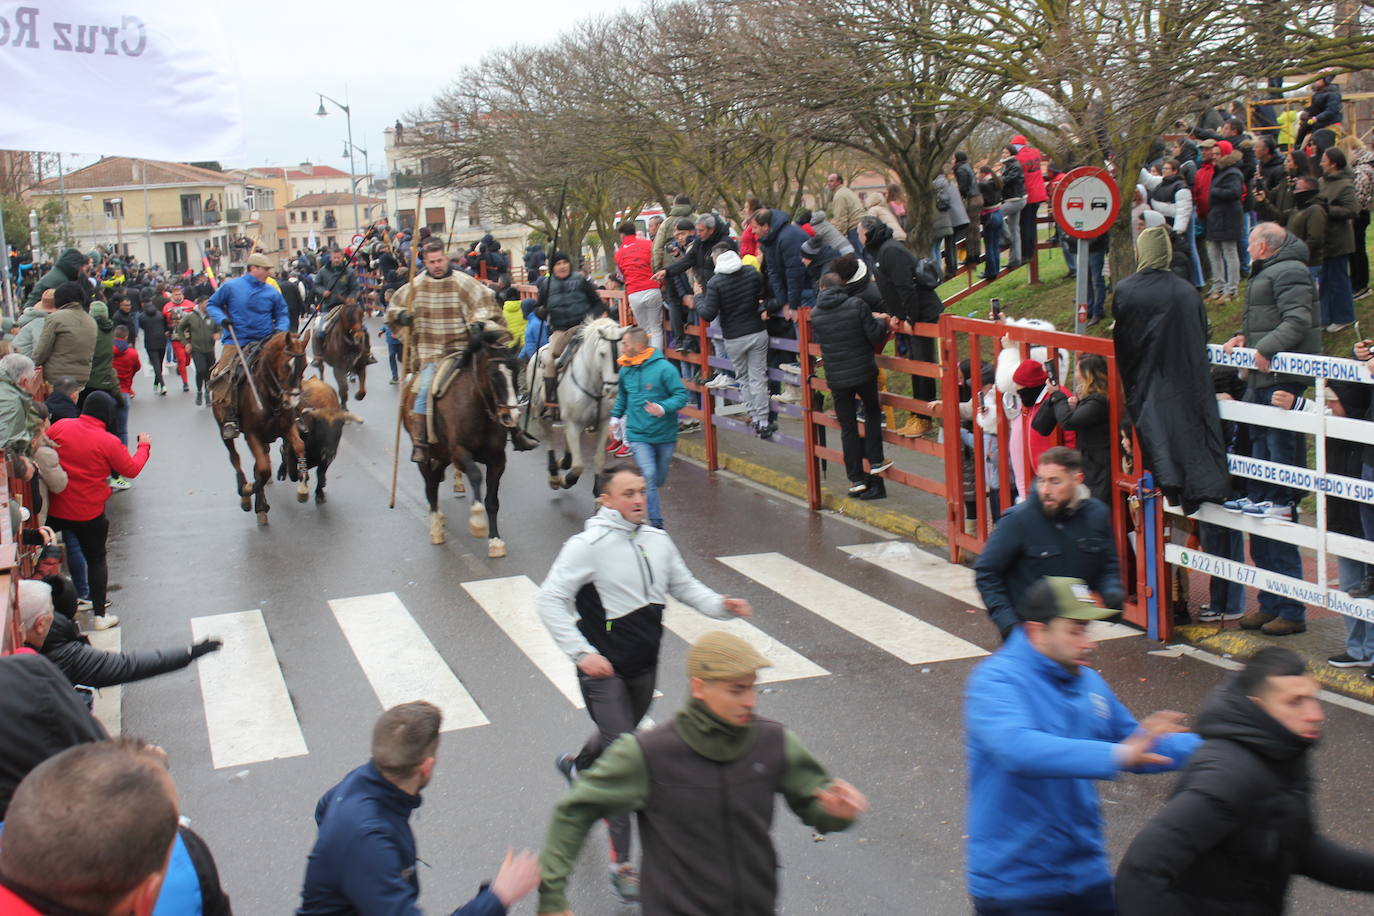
<point>84,664</point>
<point>733,294</point>
<point>847,333</point>
<point>1238,826</point>
<point>154,328</point>
<point>698,255</point>
<point>903,297</point>
<point>1225,212</point>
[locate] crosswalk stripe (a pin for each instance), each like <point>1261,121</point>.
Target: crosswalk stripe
<point>788,665</point>
<point>510,603</point>
<point>912,640</point>
<point>400,661</point>
<point>248,711</point>
<point>109,701</point>
<point>911,562</point>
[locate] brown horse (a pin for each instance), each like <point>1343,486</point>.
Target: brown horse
<point>277,372</point>
<point>346,348</point>
<point>472,421</point>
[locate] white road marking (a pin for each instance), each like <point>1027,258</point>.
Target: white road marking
<point>787,665</point>
<point>248,710</point>
<point>109,701</point>
<point>1230,664</point>
<point>924,568</point>
<point>912,640</point>
<point>399,660</point>
<point>510,603</point>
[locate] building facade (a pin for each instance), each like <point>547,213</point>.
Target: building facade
<point>328,220</point>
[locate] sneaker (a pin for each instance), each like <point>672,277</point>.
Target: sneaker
<point>1270,512</point>
<point>1236,505</point>
<point>1360,294</point>
<point>625,883</point>
<point>613,445</point>
<point>721,380</point>
<point>119,483</point>
<point>623,451</point>
<point>856,488</point>
<point>566,765</point>
<point>1345,661</point>
<point>394,381</point>
<point>1208,614</point>
<point>199,397</point>
<point>185,387</point>
<point>1336,328</point>
<point>765,430</point>
<point>84,604</point>
<point>791,368</point>
<point>788,395</point>
<point>1283,627</point>
<point>881,466</point>
<point>105,622</point>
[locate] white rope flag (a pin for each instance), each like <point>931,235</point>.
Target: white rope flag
<point>147,78</point>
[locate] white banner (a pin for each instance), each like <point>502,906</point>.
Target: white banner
<point>1287,475</point>
<point>148,78</point>
<point>1266,581</point>
<point>1331,367</point>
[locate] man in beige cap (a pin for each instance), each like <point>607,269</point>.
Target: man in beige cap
<point>250,310</point>
<point>703,786</point>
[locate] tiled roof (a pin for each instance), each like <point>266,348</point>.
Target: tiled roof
<point>300,174</point>
<point>123,171</point>
<point>336,199</point>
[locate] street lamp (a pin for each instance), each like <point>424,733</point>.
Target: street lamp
<point>348,118</point>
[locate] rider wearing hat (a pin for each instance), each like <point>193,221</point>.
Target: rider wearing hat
<point>250,310</point>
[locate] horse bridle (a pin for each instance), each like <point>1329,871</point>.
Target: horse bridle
<point>486,389</point>
<point>598,398</point>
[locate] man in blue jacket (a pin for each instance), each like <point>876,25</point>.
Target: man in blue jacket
<point>1040,726</point>
<point>364,857</point>
<point>645,412</point>
<point>249,310</point>
<point>782,240</point>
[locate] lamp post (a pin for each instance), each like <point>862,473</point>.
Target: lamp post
<point>367,167</point>
<point>348,119</point>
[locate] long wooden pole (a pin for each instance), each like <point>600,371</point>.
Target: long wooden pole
<point>412,274</point>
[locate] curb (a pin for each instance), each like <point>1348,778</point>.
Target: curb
<point>898,523</point>
<point>1242,644</point>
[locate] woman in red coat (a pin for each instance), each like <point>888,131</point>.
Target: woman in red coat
<point>91,454</point>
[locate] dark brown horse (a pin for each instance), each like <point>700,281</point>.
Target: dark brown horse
<point>346,348</point>
<point>277,371</point>
<point>472,421</point>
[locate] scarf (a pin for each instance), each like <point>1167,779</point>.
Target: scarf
<point>638,359</point>
<point>709,736</point>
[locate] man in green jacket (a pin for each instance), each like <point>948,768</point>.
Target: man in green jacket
<point>703,785</point>
<point>682,209</point>
<point>645,412</point>
<point>198,331</point>
<point>1280,317</point>
<point>71,265</point>
<point>67,342</point>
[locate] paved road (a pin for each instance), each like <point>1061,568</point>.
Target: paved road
<point>876,640</point>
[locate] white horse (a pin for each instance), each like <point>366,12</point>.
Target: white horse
<point>586,394</point>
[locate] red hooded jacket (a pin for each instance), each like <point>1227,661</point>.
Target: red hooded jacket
<point>90,454</point>
<point>1030,160</point>
<point>126,363</point>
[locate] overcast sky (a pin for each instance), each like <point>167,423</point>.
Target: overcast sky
<point>386,57</point>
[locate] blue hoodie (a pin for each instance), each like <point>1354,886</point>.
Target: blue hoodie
<point>782,257</point>
<point>1036,737</point>
<point>364,857</point>
<point>257,310</point>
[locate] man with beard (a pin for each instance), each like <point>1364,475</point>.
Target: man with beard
<point>1059,530</point>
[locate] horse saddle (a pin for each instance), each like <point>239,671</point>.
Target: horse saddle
<point>234,371</point>
<point>570,351</point>
<point>445,372</point>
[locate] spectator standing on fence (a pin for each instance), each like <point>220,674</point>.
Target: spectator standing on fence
<point>1036,194</point>
<point>1280,316</point>
<point>1337,191</point>
<point>733,294</point>
<point>1013,203</point>
<point>681,209</point>
<point>909,295</point>
<point>1361,159</point>
<point>990,189</point>
<point>1225,217</point>
<point>1161,348</point>
<point>1239,824</point>
<point>633,258</point>
<point>844,207</point>
<point>948,192</point>
<point>1058,530</point>
<point>848,332</point>
<point>1325,109</point>
<point>973,204</point>
<point>1040,727</point>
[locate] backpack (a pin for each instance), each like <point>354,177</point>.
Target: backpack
<point>927,273</point>
<point>942,200</point>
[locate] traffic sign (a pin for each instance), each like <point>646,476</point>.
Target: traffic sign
<point>1086,202</point>
<point>357,240</point>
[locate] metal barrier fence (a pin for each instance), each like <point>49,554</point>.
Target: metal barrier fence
<point>1296,476</point>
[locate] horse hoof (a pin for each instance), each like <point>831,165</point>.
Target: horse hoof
<point>246,504</point>
<point>571,480</point>
<point>319,497</point>
<point>436,527</point>
<point>477,522</point>
<point>303,495</point>
<point>496,548</point>
<point>361,395</point>
<point>246,490</point>
<point>262,519</point>
<point>555,482</point>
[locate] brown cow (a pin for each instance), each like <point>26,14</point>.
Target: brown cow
<point>320,421</point>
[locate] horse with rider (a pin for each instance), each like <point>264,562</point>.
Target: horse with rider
<point>255,383</point>
<point>459,401</point>
<point>342,341</point>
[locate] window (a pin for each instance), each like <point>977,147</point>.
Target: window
<point>175,256</point>
<point>314,216</point>
<point>331,242</point>
<point>329,221</point>
<point>293,216</point>
<point>267,199</point>
<point>474,214</point>
<point>248,198</point>
<point>114,207</point>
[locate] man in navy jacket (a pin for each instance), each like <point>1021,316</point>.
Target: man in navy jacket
<point>364,858</point>
<point>1040,726</point>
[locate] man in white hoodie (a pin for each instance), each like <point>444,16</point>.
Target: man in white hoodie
<point>602,602</point>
